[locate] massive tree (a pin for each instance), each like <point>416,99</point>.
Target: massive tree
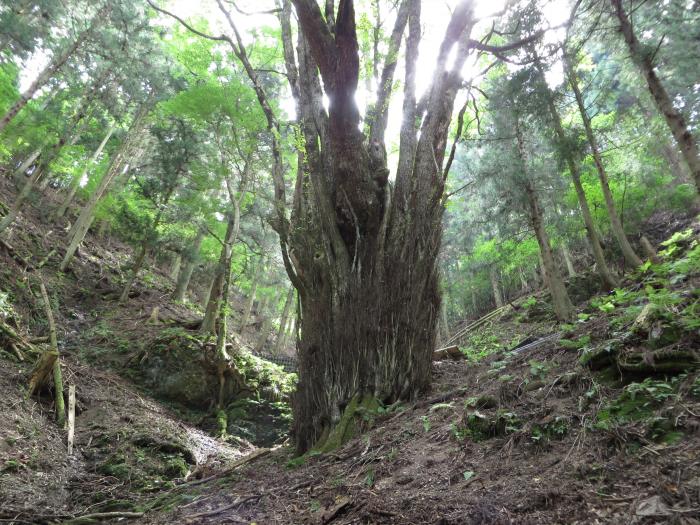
<point>361,254</point>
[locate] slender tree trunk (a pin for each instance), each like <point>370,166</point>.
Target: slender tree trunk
<point>13,212</point>
<point>191,257</point>
<point>49,71</point>
<point>567,260</point>
<point>57,375</point>
<point>283,321</point>
<point>618,230</point>
<point>650,251</point>
<point>40,171</point>
<point>265,329</point>
<point>563,308</point>
<point>176,266</point>
<point>678,170</point>
<point>19,173</point>
<point>82,223</point>
<point>134,271</point>
<point>497,297</point>
<point>146,243</point>
<point>75,183</point>
<point>444,325</point>
<point>212,309</point>
<point>604,272</point>
<point>207,291</point>
<point>251,297</point>
<point>523,281</point>
<point>290,332</point>
<point>674,119</point>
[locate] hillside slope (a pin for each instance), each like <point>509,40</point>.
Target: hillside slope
<point>598,424</point>
<point>139,426</point>
<point>591,422</point>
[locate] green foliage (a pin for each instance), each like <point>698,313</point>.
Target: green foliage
<point>425,421</point>
<point>529,302</point>
<point>268,379</point>
<point>6,309</point>
<point>556,428</point>
<point>577,344</point>
<point>639,402</point>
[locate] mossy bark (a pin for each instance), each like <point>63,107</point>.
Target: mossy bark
<point>347,428</point>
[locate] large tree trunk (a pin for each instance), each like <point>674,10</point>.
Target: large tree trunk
<point>674,119</point>
<point>604,272</point>
<point>618,230</point>
<point>191,257</point>
<point>364,262</point>
<point>75,183</point>
<point>563,308</point>
<point>84,220</point>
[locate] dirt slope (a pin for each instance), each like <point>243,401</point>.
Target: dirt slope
<point>597,425</point>
<point>545,464</point>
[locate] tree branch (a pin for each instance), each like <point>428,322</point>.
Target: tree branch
<point>380,111</point>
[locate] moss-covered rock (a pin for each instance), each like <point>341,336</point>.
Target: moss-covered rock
<point>183,368</point>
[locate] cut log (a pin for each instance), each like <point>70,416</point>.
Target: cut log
<point>42,371</point>
<point>452,352</point>
<point>71,418</point>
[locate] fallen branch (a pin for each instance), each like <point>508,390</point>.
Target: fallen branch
<point>476,324</point>
<point>106,516</point>
<point>57,375</point>
<point>14,338</point>
<point>236,503</point>
<point>441,398</point>
<point>238,463</point>
<point>449,351</point>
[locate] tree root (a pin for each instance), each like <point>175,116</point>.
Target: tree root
<point>668,360</point>
<point>346,429</point>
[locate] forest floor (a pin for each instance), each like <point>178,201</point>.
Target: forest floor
<point>549,433</point>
